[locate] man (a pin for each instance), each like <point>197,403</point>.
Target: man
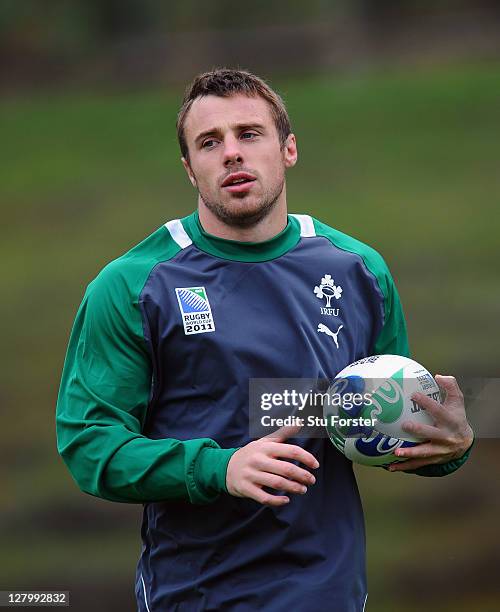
<point>153,406</point>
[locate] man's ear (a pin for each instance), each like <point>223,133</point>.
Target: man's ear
<point>187,168</point>
<point>290,151</point>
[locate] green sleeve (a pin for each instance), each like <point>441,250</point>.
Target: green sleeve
<point>393,337</point>
<point>102,405</point>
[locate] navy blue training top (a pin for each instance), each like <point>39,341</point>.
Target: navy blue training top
<point>154,402</point>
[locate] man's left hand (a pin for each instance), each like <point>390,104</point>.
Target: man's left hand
<point>449,437</point>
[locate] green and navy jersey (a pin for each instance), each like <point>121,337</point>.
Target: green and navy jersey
<point>154,402</point>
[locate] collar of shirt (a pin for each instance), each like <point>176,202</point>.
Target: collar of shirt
<point>242,251</point>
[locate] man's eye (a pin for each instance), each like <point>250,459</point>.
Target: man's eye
<point>207,144</point>
<point>248,135</point>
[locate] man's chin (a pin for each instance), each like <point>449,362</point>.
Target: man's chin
<point>240,212</point>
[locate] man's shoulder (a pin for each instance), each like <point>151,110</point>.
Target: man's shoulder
<point>340,240</point>
<point>129,272</point>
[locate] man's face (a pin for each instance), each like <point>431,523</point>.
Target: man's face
<point>235,158</point>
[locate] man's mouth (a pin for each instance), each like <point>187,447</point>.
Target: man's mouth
<point>238,182</point>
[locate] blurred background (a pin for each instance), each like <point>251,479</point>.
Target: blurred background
<point>396,108</point>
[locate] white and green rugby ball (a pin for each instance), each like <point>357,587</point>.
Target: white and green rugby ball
<point>368,430</point>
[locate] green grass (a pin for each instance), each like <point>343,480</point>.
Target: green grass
<point>407,162</point>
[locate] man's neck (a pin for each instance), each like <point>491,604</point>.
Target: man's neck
<point>271,225</point>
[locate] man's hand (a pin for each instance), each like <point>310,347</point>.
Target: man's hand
<point>450,436</point>
<point>260,464</point>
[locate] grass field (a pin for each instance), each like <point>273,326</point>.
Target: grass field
<point>408,162</point>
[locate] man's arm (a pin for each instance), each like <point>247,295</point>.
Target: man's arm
<point>102,406</point>
<point>451,439</point>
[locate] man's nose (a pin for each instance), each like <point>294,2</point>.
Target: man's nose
<point>232,151</point>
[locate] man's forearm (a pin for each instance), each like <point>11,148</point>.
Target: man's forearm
<point>116,464</point>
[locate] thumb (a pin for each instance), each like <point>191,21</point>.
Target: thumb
<point>281,434</point>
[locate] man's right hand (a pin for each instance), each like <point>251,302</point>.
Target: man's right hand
<point>260,464</point>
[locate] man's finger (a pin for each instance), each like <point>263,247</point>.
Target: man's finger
<point>421,451</point>
<point>288,470</point>
<point>412,464</point>
<point>267,499</point>
<point>422,431</point>
<point>431,406</point>
<point>283,433</point>
<point>294,453</point>
<point>450,385</point>
<point>279,483</point>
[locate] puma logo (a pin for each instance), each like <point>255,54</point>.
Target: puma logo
<point>323,329</point>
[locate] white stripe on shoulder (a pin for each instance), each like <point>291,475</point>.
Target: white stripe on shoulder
<point>306,225</point>
<point>178,233</point>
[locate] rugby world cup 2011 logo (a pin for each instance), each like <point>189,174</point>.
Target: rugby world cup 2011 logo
<point>195,310</point>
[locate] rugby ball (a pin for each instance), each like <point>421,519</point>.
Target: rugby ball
<point>367,403</point>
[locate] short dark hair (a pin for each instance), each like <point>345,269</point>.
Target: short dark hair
<point>226,82</point>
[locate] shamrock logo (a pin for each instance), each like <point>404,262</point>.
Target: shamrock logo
<point>328,290</point>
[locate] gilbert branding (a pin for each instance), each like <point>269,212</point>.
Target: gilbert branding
<point>195,310</point>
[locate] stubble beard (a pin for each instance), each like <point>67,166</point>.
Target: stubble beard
<point>244,216</point>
